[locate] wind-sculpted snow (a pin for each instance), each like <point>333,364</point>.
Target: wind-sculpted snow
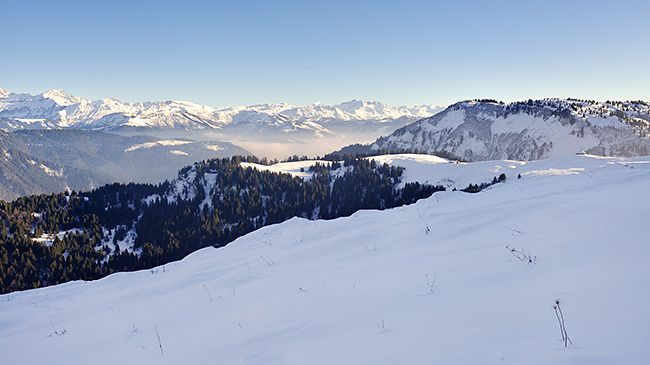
<point>430,283</point>
<point>531,130</point>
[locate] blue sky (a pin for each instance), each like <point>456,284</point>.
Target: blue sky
<point>226,53</point>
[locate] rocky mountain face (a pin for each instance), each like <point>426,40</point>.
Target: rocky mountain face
<point>532,130</point>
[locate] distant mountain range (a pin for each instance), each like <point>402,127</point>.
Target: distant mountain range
<point>58,110</point>
<point>531,130</point>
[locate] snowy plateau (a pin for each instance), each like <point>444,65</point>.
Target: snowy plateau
<point>428,283</point>
<point>536,129</point>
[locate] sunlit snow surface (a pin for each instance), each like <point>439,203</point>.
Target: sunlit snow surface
<point>295,168</point>
<point>360,290</point>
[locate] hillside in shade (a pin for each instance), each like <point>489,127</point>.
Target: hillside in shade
<point>22,174</point>
<point>53,161</point>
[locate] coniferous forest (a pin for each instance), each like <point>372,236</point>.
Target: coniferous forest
<point>210,204</point>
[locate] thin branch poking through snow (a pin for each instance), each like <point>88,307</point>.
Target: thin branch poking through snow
<point>207,292</point>
<point>381,327</point>
<point>432,285</point>
<point>426,225</point>
<point>155,327</point>
<point>522,255</point>
<point>560,319</point>
<point>55,331</point>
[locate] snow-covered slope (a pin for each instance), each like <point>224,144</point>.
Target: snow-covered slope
<point>57,109</point>
<point>430,283</point>
<point>488,130</point>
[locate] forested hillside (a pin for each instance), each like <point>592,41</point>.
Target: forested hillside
<point>49,161</point>
<point>50,239</point>
<point>22,174</point>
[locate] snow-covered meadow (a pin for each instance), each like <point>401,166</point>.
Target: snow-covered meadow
<point>430,283</point>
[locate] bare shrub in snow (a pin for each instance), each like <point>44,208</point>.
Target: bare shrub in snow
<point>560,320</point>
<point>522,255</point>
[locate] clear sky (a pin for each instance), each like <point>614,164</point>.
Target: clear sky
<point>227,53</point>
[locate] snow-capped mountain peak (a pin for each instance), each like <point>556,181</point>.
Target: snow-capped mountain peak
<point>62,98</point>
<point>4,93</point>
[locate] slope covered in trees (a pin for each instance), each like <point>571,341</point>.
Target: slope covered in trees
<point>122,227</point>
<point>49,161</point>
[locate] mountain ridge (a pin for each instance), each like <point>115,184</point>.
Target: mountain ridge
<point>479,130</point>
<point>58,109</point>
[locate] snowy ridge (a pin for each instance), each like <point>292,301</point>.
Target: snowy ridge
<point>421,284</point>
<point>489,130</point>
<point>57,109</point>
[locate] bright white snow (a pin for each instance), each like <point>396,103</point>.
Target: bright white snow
<point>295,168</point>
<point>361,290</point>
<point>48,239</point>
<point>214,147</point>
<point>168,142</point>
